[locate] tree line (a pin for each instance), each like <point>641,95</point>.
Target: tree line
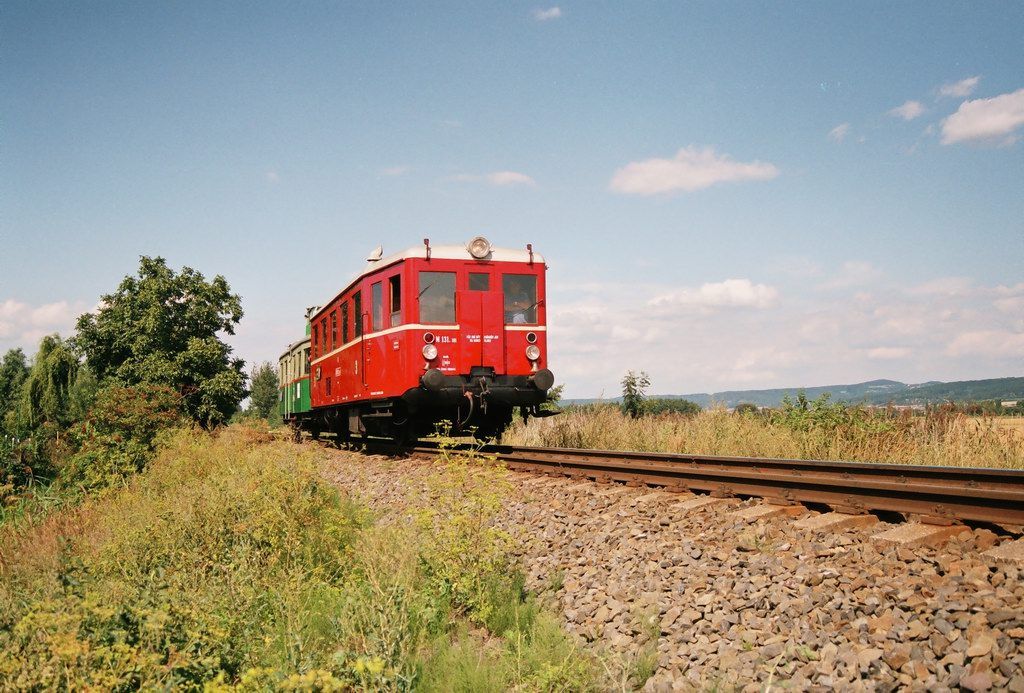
<point>87,410</point>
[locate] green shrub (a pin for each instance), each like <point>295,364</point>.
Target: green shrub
<point>119,435</point>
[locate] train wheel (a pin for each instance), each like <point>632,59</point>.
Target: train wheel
<point>494,425</point>
<point>403,434</point>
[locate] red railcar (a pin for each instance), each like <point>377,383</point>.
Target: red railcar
<point>428,334</point>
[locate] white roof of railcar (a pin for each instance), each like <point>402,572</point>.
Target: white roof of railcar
<point>295,345</point>
<point>449,252</point>
<point>439,252</point>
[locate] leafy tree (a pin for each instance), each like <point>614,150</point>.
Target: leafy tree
<point>554,397</point>
<point>13,372</point>
<point>263,393</point>
<point>674,405</point>
<point>746,408</point>
<point>634,390</point>
<point>45,394</point>
<point>161,327</point>
<point>118,437</point>
<point>83,393</point>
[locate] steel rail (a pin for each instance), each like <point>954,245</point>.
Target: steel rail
<point>938,494</point>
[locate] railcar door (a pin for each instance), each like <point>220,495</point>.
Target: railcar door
<point>481,324</point>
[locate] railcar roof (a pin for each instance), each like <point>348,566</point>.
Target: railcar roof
<point>448,252</point>
<point>293,346</point>
<point>437,252</point>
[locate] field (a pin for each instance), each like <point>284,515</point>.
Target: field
<point>818,431</point>
<point>1014,424</point>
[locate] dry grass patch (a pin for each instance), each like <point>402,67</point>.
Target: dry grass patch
<point>828,432</point>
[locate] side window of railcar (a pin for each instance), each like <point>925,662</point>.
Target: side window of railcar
<point>323,336</point>
<point>316,341</point>
<point>437,297</point>
<point>395,289</point>
<point>344,323</point>
<point>357,313</point>
<point>305,361</point>
<point>334,329</point>
<point>479,281</point>
<point>520,298</point>
<point>377,306</point>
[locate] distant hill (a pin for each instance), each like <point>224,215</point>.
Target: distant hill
<point>964,390</point>
<point>871,392</point>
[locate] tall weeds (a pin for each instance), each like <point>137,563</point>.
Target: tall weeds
<point>830,433</point>
<point>229,564</point>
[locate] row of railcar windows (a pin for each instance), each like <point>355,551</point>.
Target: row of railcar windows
<point>294,365</point>
<point>436,299</point>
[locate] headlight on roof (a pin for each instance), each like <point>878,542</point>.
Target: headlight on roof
<point>479,247</point>
<point>533,352</point>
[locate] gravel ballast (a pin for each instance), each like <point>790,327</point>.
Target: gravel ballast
<point>706,598</point>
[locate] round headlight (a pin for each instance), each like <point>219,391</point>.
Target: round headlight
<point>531,337</point>
<point>479,247</point>
<point>533,352</point>
<point>428,337</point>
<point>429,352</point>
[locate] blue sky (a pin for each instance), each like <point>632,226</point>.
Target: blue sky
<point>729,195</point>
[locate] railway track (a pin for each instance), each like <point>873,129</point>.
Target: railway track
<point>936,495</point>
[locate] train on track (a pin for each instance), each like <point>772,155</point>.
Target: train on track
<point>433,333</point>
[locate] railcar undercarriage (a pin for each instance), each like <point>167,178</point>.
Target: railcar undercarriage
<point>480,403</point>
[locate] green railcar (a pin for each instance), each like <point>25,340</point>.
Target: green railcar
<point>293,380</point>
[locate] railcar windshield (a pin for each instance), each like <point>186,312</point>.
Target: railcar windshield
<point>520,298</point>
<point>437,297</point>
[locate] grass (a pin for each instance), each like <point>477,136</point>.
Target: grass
<point>646,659</point>
<point>229,564</point>
<point>1014,424</point>
<point>827,433</point>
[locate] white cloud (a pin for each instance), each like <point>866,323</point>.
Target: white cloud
<point>908,111</point>
<point>959,89</point>
<point>498,178</point>
<point>509,178</point>
<point>732,335</point>
<point>272,177</point>
<point>548,14</point>
<point>399,170</point>
<point>691,169</point>
<point>1013,305</point>
<point>23,325</point>
<point>944,286</point>
<point>839,132</point>
<point>732,293</point>
<point>852,273</point>
<point>884,353</point>
<point>988,343</point>
<point>982,120</point>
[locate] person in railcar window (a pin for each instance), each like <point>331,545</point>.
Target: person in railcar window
<point>520,304</point>
<point>520,298</point>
